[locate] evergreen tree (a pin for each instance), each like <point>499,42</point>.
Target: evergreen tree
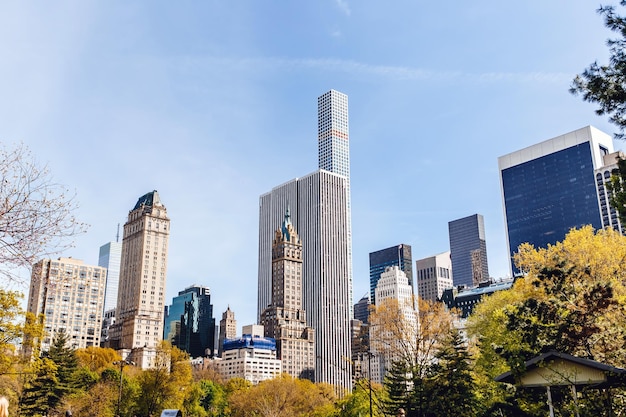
<point>398,386</point>
<point>41,392</point>
<point>451,390</point>
<point>66,361</point>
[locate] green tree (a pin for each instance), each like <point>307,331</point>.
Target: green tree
<point>452,379</point>
<point>213,398</point>
<point>41,391</point>
<point>605,85</point>
<point>66,361</point>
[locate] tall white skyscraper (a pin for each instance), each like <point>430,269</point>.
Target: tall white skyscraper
<point>110,257</point>
<point>319,213</point>
<point>139,318</point>
<point>333,150</point>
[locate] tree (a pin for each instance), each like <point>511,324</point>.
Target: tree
<point>606,84</point>
<point>97,358</point>
<point>41,391</point>
<point>451,380</point>
<point>66,361</point>
<point>616,188</point>
<point>572,299</point>
<point>36,214</point>
<point>164,385</point>
<point>282,396</point>
<point>11,329</point>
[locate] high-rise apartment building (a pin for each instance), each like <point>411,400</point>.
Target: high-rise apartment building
<point>139,317</point>
<point>228,329</point>
<point>189,323</point>
<point>285,320</point>
<point>319,213</point>
<point>610,218</point>
<point>468,251</point>
<point>110,257</point>
<point>320,209</point>
<point>433,276</point>
<point>399,255</point>
<point>550,187</point>
<point>69,294</point>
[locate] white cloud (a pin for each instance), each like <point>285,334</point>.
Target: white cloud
<point>343,6</point>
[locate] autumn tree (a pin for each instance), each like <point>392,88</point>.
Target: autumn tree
<point>572,299</point>
<point>36,214</point>
<point>96,358</point>
<point>11,328</point>
<point>282,396</point>
<point>164,385</point>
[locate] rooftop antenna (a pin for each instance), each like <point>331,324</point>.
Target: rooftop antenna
<point>117,236</point>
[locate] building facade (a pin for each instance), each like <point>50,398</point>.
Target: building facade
<point>189,322</point>
<point>550,187</point>
<point>285,320</point>
<point>433,276</point>
<point>319,213</point>
<point>333,150</point>
<point>140,303</point>
<point>610,218</point>
<point>468,251</point>
<point>393,286</point>
<point>252,358</point>
<point>466,298</point>
<point>110,257</point>
<point>228,329</point>
<point>399,255</point>
<point>70,296</point>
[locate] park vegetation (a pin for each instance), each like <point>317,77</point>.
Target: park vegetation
<point>571,299</point>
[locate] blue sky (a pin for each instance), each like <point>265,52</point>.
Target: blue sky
<point>213,103</point>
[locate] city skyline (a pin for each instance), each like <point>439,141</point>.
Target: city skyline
<point>221,113</point>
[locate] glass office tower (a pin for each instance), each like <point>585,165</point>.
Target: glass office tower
<point>549,188</point>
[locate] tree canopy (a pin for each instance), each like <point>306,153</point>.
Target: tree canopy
<point>605,85</point>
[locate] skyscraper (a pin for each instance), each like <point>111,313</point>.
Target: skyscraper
<point>468,251</point>
<point>433,276</point>
<point>189,324</point>
<point>333,150</point>
<point>228,329</point>
<point>320,210</point>
<point>285,320</point>
<point>550,187</point>
<point>139,320</point>
<point>70,295</point>
<point>393,286</point>
<point>399,255</point>
<point>110,257</point>
<point>319,213</point>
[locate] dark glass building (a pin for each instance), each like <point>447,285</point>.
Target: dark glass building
<point>549,188</point>
<point>468,251</point>
<point>399,255</point>
<point>189,322</point>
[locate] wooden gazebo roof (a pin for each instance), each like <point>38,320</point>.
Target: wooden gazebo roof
<point>555,368</point>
